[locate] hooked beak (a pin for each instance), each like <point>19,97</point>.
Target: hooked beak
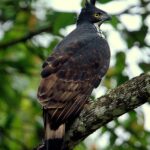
<point>105,17</point>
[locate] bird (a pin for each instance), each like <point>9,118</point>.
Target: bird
<point>69,75</point>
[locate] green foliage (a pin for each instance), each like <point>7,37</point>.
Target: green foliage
<point>21,57</point>
<point>104,1</point>
<point>137,36</point>
<point>144,66</point>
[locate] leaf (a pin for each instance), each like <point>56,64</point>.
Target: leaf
<point>60,20</point>
<point>81,146</point>
<point>136,37</point>
<point>120,61</point>
<point>121,79</point>
<point>63,20</point>
<point>104,1</point>
<point>114,21</point>
<point>145,66</point>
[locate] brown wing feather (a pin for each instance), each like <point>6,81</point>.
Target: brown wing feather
<point>62,101</point>
<point>65,87</point>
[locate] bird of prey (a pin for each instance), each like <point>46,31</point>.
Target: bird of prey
<point>71,72</point>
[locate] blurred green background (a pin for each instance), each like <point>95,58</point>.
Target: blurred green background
<point>30,29</point>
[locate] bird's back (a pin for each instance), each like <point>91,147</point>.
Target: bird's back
<point>81,35</point>
<point>86,41</point>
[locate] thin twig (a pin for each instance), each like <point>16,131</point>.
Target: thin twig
<point>25,38</point>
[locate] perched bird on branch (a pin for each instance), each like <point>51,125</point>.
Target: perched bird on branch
<point>71,72</point>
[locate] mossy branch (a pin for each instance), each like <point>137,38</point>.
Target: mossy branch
<point>115,103</point>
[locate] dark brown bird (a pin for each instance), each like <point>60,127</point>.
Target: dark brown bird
<point>73,70</point>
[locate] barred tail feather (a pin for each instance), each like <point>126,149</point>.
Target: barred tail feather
<point>54,138</point>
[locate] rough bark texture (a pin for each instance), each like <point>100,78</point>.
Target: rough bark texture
<point>116,102</point>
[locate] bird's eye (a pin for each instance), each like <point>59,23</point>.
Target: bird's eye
<point>97,15</point>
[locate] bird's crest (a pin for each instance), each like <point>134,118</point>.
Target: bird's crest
<point>92,2</point>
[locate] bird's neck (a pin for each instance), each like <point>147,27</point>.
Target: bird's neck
<point>88,26</point>
<point>83,21</point>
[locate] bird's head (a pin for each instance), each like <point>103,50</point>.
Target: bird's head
<point>92,14</point>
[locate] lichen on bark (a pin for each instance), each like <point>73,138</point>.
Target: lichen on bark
<point>116,102</point>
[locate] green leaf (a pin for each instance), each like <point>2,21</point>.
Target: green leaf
<point>81,146</point>
<point>104,1</point>
<point>63,20</point>
<point>120,61</point>
<point>137,37</point>
<point>145,66</point>
<point>114,21</point>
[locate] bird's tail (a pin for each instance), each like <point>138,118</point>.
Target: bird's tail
<point>53,138</point>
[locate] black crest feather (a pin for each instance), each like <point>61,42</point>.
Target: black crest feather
<point>93,2</point>
<point>86,3</point>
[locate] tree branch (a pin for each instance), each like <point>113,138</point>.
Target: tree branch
<point>116,102</point>
<point>24,38</point>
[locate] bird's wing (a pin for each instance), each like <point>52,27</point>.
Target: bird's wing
<point>68,79</point>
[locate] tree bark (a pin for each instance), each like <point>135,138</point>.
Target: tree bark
<point>115,103</point>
